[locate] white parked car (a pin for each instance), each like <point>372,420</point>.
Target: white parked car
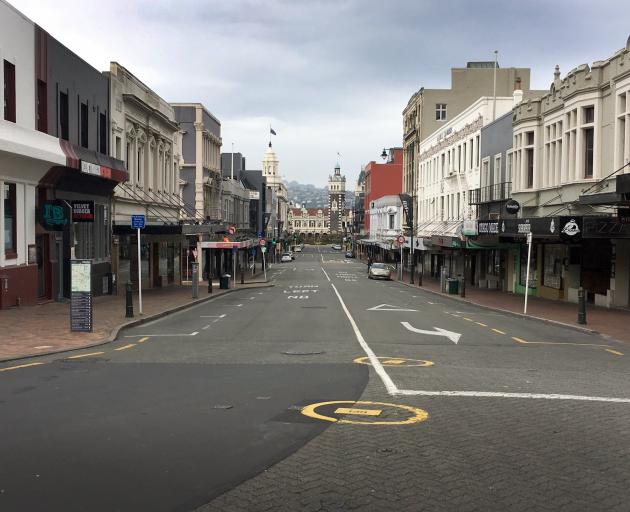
<point>286,257</point>
<point>298,248</point>
<point>380,271</point>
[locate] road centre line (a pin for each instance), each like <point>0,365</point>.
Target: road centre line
<point>325,274</point>
<point>19,366</point>
<point>376,364</point>
<point>482,325</point>
<point>498,331</point>
<point>125,347</point>
<point>86,355</point>
<point>613,351</point>
<point>213,316</point>
<point>142,340</point>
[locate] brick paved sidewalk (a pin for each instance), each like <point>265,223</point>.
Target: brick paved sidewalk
<point>45,328</point>
<point>612,322</point>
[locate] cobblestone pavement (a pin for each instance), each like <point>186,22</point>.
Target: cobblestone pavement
<point>472,454</point>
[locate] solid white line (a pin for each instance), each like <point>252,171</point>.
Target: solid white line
<point>491,394</point>
<point>325,274</point>
<point>206,326</point>
<point>376,364</point>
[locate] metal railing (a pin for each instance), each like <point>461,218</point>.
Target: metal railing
<point>491,193</point>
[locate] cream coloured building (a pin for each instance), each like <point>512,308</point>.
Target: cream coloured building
<point>278,222</point>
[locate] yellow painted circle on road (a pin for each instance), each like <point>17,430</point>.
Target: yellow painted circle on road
<point>395,361</point>
<point>415,415</point>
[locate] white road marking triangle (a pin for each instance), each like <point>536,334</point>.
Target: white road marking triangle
<point>389,307</point>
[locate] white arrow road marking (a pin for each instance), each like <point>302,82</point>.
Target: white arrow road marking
<point>388,307</point>
<point>453,336</point>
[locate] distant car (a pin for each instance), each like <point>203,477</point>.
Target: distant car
<point>286,257</point>
<point>349,254</point>
<point>337,247</point>
<point>298,248</point>
<point>380,271</point>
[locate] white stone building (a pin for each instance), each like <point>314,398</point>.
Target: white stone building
<point>386,220</point>
<point>145,134</point>
<point>278,222</point>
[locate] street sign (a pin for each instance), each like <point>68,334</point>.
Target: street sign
<point>401,239</point>
<point>260,234</point>
<point>262,242</point>
<point>137,221</point>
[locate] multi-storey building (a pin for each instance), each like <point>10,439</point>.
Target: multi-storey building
<point>571,177</point>
<point>429,110</point>
<point>358,217</point>
<point>310,222</point>
<point>336,200</point>
<point>278,196</point>
<point>382,179</point>
<point>200,176</point>
<point>144,133</point>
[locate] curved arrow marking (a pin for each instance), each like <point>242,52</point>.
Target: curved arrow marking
<point>453,336</point>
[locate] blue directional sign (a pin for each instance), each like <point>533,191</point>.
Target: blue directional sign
<point>137,221</point>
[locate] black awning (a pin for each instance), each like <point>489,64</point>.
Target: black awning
<point>149,229</point>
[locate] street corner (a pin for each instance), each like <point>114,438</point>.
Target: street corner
<point>365,413</point>
<point>396,361</point>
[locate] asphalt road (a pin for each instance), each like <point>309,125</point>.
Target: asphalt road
<point>438,405</point>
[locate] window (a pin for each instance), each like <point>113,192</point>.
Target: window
<point>588,152</point>
<point>529,162</point>
<point>493,267</point>
<point>391,221</point>
<point>84,125</point>
<point>118,148</point>
<point>64,117</point>
<point>589,114</point>
<point>102,133</point>
<point>440,112</point>
<point>9,92</point>
<point>529,138</point>
<point>553,255</point>
<point>42,107</point>
<point>10,221</point>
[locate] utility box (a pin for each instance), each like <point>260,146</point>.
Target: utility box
<point>224,282</point>
<point>452,286</point>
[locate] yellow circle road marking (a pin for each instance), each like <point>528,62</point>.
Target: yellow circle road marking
<point>395,361</point>
<point>417,415</point>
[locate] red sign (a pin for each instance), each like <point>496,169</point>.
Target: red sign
<point>401,239</point>
<point>231,230</point>
<point>262,242</point>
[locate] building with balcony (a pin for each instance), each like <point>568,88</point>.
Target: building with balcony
<point>571,176</point>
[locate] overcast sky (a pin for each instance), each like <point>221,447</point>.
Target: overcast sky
<point>329,75</point>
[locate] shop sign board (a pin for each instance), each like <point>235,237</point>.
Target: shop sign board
<point>81,304</point>
<point>512,207</point>
<point>469,228</point>
<point>537,226</point>
<point>53,215</point>
<point>82,211</point>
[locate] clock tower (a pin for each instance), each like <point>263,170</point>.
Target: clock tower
<point>336,200</point>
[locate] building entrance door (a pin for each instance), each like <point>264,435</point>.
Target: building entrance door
<point>43,267</point>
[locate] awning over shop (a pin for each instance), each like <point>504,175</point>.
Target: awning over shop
<point>92,162</point>
<point>243,244</point>
<point>441,228</point>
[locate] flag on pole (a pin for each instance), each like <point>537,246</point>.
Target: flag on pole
<point>272,131</point>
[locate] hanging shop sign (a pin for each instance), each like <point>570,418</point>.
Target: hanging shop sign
<point>82,211</point>
<point>53,215</point>
<point>571,228</point>
<point>469,228</point>
<point>537,226</point>
<point>512,207</point>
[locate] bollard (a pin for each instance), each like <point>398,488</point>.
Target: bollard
<point>195,280</point>
<point>209,282</point>
<point>462,287</point>
<point>581,306</point>
<point>128,300</point>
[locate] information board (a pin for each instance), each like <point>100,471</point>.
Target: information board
<point>81,306</point>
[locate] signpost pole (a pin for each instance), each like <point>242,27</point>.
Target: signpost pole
<point>401,262</point>
<point>529,255</point>
<point>264,264</point>
<point>139,274</point>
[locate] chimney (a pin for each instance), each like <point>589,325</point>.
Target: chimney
<point>517,95</point>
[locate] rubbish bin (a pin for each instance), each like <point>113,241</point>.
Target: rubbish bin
<point>224,281</point>
<point>452,286</point>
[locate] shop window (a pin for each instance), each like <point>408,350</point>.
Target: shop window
<point>9,92</point>
<point>553,257</point>
<point>532,266</point>
<point>493,267</point>
<point>10,221</point>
